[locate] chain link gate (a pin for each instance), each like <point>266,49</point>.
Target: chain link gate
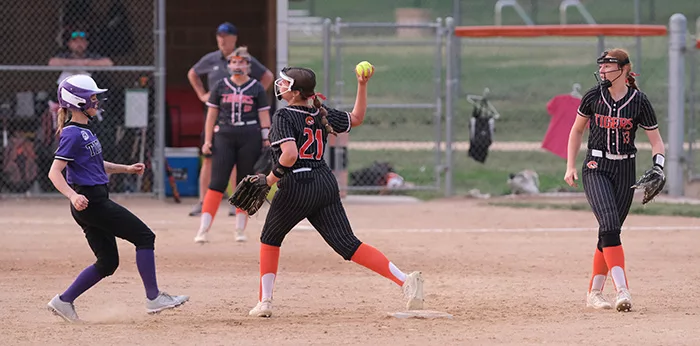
<point>399,146</point>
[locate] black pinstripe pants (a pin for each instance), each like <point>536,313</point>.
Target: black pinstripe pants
<point>607,184</point>
<point>311,195</point>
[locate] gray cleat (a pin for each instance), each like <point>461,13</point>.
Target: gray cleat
<point>196,209</point>
<point>63,309</point>
<point>164,301</point>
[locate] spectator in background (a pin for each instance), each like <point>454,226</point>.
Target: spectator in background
<point>215,66</point>
<point>78,55</point>
<point>19,166</point>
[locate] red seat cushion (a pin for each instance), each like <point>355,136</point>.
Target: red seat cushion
<point>186,116</point>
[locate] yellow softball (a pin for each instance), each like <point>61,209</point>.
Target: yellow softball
<point>364,68</point>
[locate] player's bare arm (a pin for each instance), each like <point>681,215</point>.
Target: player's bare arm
<point>657,143</point>
<point>265,123</point>
<point>212,114</point>
<point>357,116</point>
<point>136,168</point>
<point>78,201</point>
<point>573,148</point>
<point>287,159</point>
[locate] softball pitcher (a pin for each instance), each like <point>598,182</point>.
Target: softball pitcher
<point>613,110</point>
<point>308,189</point>
<point>101,219</point>
<point>238,121</point>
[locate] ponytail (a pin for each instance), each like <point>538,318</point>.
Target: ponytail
<point>324,114</point>
<point>61,119</point>
<point>632,82</point>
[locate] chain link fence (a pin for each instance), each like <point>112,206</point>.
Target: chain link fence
<point>404,116</point>
<point>47,41</point>
<point>504,88</point>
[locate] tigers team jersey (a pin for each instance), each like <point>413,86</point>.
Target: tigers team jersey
<point>303,125</point>
<point>238,104</point>
<point>82,150</point>
<point>613,124</point>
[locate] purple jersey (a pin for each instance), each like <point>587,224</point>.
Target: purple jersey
<point>83,152</point>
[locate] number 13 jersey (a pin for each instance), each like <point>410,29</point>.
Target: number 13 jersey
<point>303,126</point>
<point>613,124</point>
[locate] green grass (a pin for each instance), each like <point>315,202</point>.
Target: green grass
<point>687,210</point>
<point>521,79</point>
<point>418,167</point>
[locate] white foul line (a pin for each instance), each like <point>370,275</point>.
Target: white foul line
<point>508,230</point>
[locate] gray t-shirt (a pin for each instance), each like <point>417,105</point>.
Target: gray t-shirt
<point>69,55</point>
<point>215,66</point>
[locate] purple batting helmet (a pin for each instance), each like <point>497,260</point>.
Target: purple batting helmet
<point>75,92</point>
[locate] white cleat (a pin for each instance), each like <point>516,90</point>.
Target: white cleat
<point>263,309</point>
<point>596,300</point>
<point>240,236</point>
<point>623,303</point>
<point>201,237</point>
<point>63,309</point>
<point>164,301</point>
<point>413,291</point>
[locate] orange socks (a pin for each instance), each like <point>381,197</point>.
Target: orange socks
<point>615,259</point>
<point>374,260</point>
<point>212,199</point>
<point>600,271</point>
<point>269,261</point>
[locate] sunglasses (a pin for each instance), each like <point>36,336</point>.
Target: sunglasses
<point>77,34</point>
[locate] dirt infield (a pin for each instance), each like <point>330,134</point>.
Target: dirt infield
<point>509,276</point>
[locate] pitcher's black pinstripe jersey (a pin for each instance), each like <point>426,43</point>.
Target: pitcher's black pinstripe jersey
<point>609,168</point>
<point>303,125</point>
<point>309,190</point>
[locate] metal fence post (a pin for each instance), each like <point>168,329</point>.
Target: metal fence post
<point>638,41</point>
<point>327,56</point>
<point>449,103</point>
<point>439,30</point>
<point>457,17</point>
<point>692,130</point>
<point>676,102</point>
<point>338,100</point>
<point>159,173</point>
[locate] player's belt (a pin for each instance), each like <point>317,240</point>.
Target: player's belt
<point>302,169</point>
<point>609,156</point>
<point>245,123</point>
